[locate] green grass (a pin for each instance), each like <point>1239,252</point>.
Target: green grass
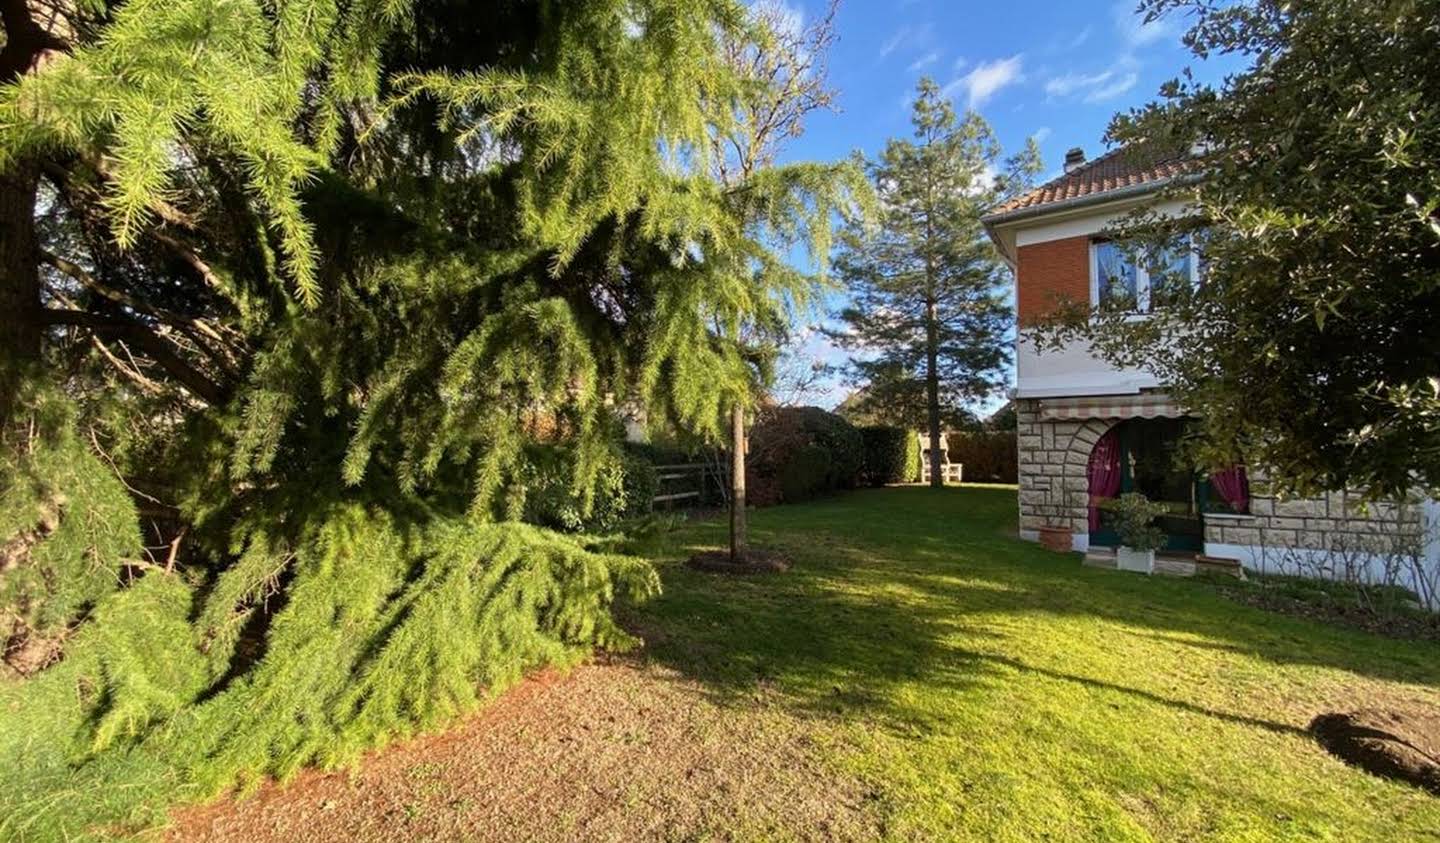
<point>984,688</point>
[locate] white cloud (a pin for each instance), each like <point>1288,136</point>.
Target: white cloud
<point>1081,37</point>
<point>907,35</point>
<point>960,63</point>
<point>1114,89</point>
<point>1064,86</point>
<point>1133,28</point>
<point>1096,87</point>
<point>987,79</point>
<point>1042,134</point>
<point>924,61</point>
<point>894,41</point>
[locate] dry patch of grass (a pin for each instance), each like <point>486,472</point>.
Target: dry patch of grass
<point>616,750</point>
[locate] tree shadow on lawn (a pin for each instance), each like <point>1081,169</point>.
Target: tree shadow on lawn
<point>901,587</point>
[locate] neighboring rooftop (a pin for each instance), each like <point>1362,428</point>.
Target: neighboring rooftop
<point>1119,171</point>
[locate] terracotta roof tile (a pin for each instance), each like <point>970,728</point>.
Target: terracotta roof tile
<point>1119,168</point>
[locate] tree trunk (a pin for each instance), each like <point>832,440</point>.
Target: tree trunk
<point>932,391</point>
<point>33,33</point>
<point>737,482</point>
<point>20,330</point>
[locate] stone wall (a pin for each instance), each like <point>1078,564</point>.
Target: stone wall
<point>1054,491</point>
<point>1337,522</point>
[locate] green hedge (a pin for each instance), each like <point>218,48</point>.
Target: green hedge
<point>891,455</point>
<point>988,456</point>
<point>785,463</point>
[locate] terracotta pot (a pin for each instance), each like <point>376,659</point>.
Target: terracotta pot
<point>1058,539</point>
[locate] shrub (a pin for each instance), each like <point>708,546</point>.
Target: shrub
<point>888,455</point>
<point>783,435</point>
<point>1134,516</point>
<point>626,488</point>
<point>807,474</point>
<point>988,456</point>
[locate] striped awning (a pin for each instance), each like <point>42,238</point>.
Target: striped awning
<point>1145,405</point>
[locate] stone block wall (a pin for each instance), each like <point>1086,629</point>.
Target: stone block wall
<point>1054,492</point>
<point>1054,455</point>
<point>1337,522</point>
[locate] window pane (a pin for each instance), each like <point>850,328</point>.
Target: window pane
<point>1170,273</point>
<point>1115,277</point>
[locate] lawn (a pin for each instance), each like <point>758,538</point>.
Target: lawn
<point>984,688</point>
<point>919,673</point>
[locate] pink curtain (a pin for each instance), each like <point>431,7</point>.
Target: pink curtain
<point>1104,473</point>
<point>1233,487</point>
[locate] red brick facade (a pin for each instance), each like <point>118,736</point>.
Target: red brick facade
<point>1049,272</point>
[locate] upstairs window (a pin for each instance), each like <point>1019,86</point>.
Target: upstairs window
<point>1120,282</point>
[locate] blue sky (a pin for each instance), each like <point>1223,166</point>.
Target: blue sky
<point>1056,71</point>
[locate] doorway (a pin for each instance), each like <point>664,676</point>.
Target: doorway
<point>1149,465</point>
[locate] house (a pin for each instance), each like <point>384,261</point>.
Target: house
<point>1089,431</point>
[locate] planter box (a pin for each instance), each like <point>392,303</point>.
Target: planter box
<point>1141,561</point>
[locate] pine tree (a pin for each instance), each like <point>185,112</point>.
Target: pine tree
<point>327,282</point>
<point>926,303</point>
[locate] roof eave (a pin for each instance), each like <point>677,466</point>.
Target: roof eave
<point>1107,196</point>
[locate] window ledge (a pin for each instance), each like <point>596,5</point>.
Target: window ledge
<point>1228,516</point>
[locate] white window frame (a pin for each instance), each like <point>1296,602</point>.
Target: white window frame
<point>1142,275</point>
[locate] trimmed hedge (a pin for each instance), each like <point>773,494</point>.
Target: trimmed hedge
<point>798,453</point>
<point>891,455</point>
<point>988,456</point>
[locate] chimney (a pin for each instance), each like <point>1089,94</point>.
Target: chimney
<point>1074,158</point>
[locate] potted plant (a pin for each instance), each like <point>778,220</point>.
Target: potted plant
<point>1134,516</point>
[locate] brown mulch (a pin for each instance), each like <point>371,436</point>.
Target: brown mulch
<point>1400,743</point>
<point>753,561</point>
<point>617,751</point>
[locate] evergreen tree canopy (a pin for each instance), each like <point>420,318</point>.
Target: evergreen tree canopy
<point>1311,347</point>
<point>327,286</point>
<point>927,310</point>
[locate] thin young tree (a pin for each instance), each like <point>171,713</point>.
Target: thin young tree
<point>927,315</point>
<point>783,66</point>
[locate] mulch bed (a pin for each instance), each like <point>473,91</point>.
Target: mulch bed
<point>1401,743</point>
<point>752,561</point>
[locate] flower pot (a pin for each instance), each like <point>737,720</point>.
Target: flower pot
<point>1058,539</point>
<point>1142,561</point>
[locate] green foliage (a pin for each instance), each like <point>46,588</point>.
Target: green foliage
<point>381,271</point>
<point>784,464</point>
<point>806,474</point>
<point>1133,517</point>
<point>68,527</point>
<point>988,456</point>
<point>887,454</point>
<point>71,741</point>
<point>626,485</point>
<point>926,286</point>
<point>386,628</point>
<point>244,75</point>
<point>913,455</point>
<point>1309,349</point>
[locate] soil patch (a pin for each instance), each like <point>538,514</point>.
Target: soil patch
<point>618,750</point>
<point>1418,625</point>
<point>753,561</point>
<point>1401,743</point>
